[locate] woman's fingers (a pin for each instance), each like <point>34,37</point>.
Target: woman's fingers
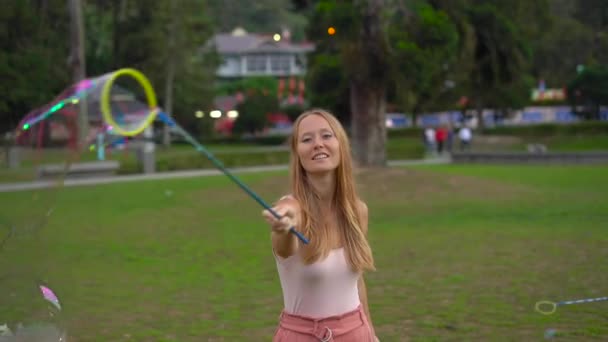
<point>279,210</point>
<point>281,224</point>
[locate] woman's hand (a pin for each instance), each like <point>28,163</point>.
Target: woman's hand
<point>288,210</point>
<point>287,214</point>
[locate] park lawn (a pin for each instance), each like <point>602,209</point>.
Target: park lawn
<point>462,253</point>
<point>576,143</point>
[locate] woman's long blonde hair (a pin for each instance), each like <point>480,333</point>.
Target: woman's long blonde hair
<point>346,201</point>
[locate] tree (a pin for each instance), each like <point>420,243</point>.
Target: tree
<point>568,43</point>
<point>262,16</point>
<point>168,37</point>
<point>253,112</point>
<point>328,84</point>
<point>500,57</point>
<point>171,61</point>
<point>99,28</point>
<point>589,91</point>
<point>360,41</point>
<point>77,61</point>
<point>425,54</point>
<point>594,15</point>
<point>368,70</point>
<point>33,66</point>
<point>496,48</point>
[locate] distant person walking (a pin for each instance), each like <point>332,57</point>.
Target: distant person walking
<point>441,136</point>
<point>450,142</point>
<point>429,139</point>
<point>465,135</point>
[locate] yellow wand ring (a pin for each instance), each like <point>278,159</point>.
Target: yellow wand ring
<point>552,307</point>
<point>106,111</point>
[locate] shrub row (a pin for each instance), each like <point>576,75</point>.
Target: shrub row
<point>544,130</point>
<point>194,160</point>
<point>538,130</point>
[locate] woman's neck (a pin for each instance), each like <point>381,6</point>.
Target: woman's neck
<point>324,185</point>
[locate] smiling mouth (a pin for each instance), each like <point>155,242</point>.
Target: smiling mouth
<point>320,156</point>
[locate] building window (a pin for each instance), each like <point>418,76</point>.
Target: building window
<point>280,63</point>
<point>256,63</point>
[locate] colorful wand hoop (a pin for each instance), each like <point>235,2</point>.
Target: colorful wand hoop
<point>150,97</point>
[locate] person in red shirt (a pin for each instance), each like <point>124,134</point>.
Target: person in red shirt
<point>441,135</point>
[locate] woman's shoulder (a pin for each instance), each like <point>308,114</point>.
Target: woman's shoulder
<point>362,207</point>
<point>287,196</point>
<point>288,199</point>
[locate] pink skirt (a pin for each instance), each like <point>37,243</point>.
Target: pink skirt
<point>351,326</point>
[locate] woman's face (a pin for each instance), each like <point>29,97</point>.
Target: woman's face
<point>317,146</point>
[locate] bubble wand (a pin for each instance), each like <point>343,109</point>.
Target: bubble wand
<point>546,307</point>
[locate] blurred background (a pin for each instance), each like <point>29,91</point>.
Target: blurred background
<point>519,75</point>
<point>463,249</point>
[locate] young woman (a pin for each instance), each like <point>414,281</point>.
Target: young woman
<point>323,288</point>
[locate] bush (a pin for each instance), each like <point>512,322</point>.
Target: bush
<point>270,140</point>
<point>253,112</point>
<point>293,111</point>
<point>582,128</point>
<point>195,160</point>
<point>405,132</point>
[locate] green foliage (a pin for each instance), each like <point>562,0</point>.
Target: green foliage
<point>544,130</point>
<point>425,51</point>
<point>592,12</point>
<point>33,53</point>
<point>292,111</point>
<point>253,112</point>
<point>262,140</point>
<point>566,44</point>
<point>99,38</point>
<point>329,85</point>
<point>588,91</point>
<point>184,27</point>
<point>258,84</point>
<point>194,160</point>
<point>117,34</point>
<point>501,53</point>
<point>262,16</point>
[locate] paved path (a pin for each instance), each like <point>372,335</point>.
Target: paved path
<point>24,186</point>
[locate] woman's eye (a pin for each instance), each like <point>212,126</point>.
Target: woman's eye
<point>327,136</point>
<point>305,140</point>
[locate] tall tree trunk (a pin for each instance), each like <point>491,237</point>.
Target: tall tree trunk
<point>77,61</point>
<point>479,114</point>
<point>368,108</point>
<point>415,119</point>
<point>119,16</point>
<point>369,78</point>
<point>170,72</point>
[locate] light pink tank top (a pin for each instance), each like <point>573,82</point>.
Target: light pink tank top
<point>325,288</point>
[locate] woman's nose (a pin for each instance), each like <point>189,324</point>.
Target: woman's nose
<point>318,142</point>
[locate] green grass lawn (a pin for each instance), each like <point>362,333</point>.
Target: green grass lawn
<point>463,254</point>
